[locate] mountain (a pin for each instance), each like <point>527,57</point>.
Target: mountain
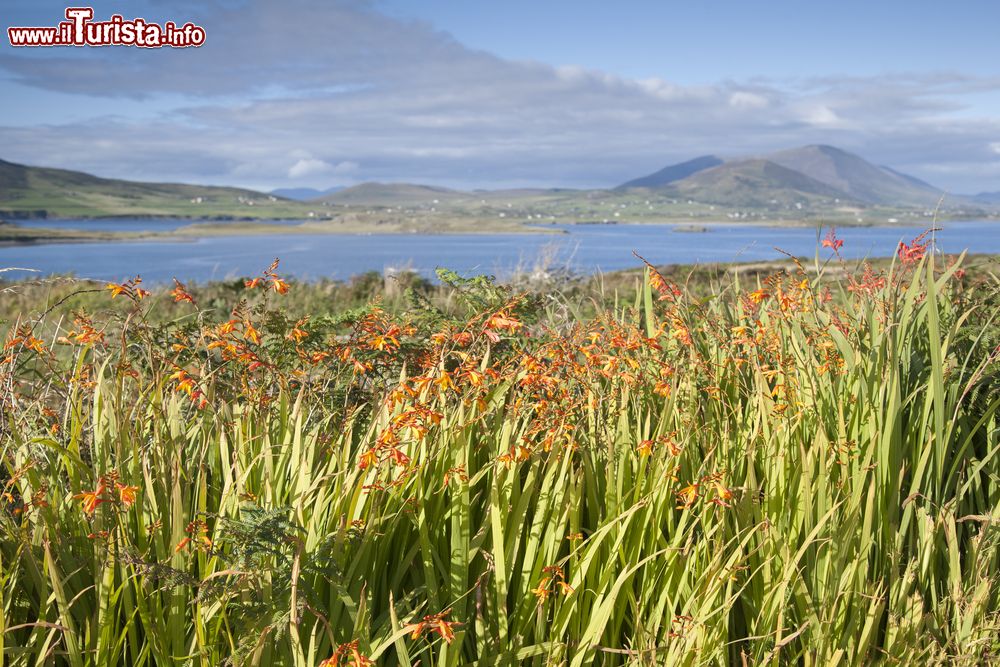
<point>813,171</point>
<point>754,183</point>
<point>305,194</point>
<point>913,180</point>
<point>986,198</point>
<point>42,192</point>
<point>673,173</point>
<point>392,194</point>
<point>855,177</point>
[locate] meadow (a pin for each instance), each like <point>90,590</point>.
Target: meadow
<point>798,466</point>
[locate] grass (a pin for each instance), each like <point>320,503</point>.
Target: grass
<point>12,234</point>
<point>796,468</point>
<point>57,193</point>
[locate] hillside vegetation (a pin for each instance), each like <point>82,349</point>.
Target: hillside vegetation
<point>793,186</point>
<point>797,468</point>
<point>42,192</point>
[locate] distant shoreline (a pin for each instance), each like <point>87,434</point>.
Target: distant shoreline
<point>13,234</point>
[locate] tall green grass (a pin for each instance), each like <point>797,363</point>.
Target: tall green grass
<point>809,480</point>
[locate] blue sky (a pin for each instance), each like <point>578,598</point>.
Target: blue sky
<point>699,42</point>
<point>491,94</point>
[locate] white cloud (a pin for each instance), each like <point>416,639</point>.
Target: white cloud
<point>393,100</point>
<point>346,167</point>
<point>746,100</point>
<point>822,116</point>
<point>309,167</point>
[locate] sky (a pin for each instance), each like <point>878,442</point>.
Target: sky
<point>475,94</point>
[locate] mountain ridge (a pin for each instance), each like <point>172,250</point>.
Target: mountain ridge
<point>849,177</point>
<point>856,177</point>
<point>673,173</point>
<point>755,183</point>
<point>305,194</point>
<point>816,180</point>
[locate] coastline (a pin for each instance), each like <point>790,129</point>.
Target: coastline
<point>12,234</point>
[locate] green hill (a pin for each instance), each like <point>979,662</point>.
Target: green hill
<point>27,192</point>
<point>755,184</point>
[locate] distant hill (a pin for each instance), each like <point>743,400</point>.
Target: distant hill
<point>305,194</point>
<point>846,177</point>
<point>913,180</point>
<point>817,180</point>
<point>754,183</point>
<point>856,177</point>
<point>986,198</point>
<point>673,173</point>
<point>392,194</point>
<point>43,192</point>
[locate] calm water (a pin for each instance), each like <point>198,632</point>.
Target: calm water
<point>584,248</point>
<point>129,224</point>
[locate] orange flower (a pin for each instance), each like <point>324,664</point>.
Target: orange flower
<point>347,654</point>
<point>126,494</point>
<point>251,334</point>
<point>759,295</point>
<point>910,254</point>
<point>368,459</point>
<point>184,381</point>
<point>645,448</point>
<point>197,534</point>
<point>831,241</point>
<point>116,289</point>
<point>180,293</point>
<point>398,457</point>
<point>722,494</point>
<point>253,283</point>
<point>501,321</point>
<point>658,283</point>
<point>279,285</point>
<point>434,623</point>
<point>553,573</point>
<point>687,496</point>
<point>474,377</point>
<point>92,499</point>
<point>298,334</point>
<point>384,343</point>
<point>444,381</point>
<point>26,339</point>
<point>129,288</point>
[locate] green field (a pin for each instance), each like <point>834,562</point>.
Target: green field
<point>784,465</point>
<point>58,193</point>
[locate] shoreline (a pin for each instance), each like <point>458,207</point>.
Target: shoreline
<point>210,228</point>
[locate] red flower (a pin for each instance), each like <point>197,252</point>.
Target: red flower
<point>915,251</point>
<point>831,241</point>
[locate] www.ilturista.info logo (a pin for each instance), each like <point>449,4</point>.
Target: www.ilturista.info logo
<point>81,30</point>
